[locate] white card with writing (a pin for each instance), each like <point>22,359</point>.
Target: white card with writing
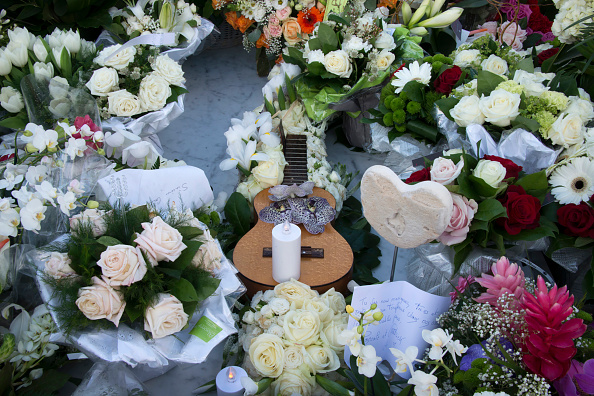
<point>407,312</point>
<point>186,186</point>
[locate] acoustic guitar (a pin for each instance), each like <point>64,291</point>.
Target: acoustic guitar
<point>335,269</point>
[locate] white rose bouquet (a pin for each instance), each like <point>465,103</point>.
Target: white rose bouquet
<point>131,81</point>
<point>60,55</point>
<point>291,335</point>
<point>127,265</point>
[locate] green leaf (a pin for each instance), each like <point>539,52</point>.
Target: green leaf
<point>176,91</point>
<point>332,387</point>
<point>254,35</point>
<point>290,88</point>
<point>482,187</point>
<point>238,212</point>
<point>409,389</point>
<point>487,82</point>
<point>174,273</point>
<point>282,104</point>
<point>314,44</point>
<point>190,307</point>
<point>490,209</point>
<point>186,256</point>
<point>208,285</point>
<point>472,3</point>
<point>446,105</point>
<point>327,37</point>
<point>415,91</point>
<point>108,241</point>
<point>184,291</point>
<point>17,122</point>
<point>66,64</point>
<point>461,252</point>
<point>525,123</point>
<point>269,107</point>
<point>132,312</point>
<point>421,129</point>
<point>51,381</point>
<point>264,384</point>
<point>581,242</point>
<point>188,232</point>
<point>298,56</point>
<point>534,181</point>
<point>380,385</point>
<point>337,18</point>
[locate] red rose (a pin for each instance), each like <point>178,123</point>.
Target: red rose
<point>546,54</point>
<point>539,23</point>
<point>511,169</point>
<point>446,80</point>
<point>577,220</point>
<point>419,176</point>
<point>523,211</point>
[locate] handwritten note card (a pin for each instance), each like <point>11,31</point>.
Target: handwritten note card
<point>336,6</point>
<point>187,186</point>
<point>407,312</point>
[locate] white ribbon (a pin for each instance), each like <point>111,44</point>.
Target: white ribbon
<point>156,39</point>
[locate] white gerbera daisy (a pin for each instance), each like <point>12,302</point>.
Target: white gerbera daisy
<point>574,182</point>
<point>414,72</point>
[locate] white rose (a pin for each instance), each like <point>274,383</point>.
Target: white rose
<point>267,355</point>
<point>268,173</point>
<point>294,382</point>
<point>160,241</point>
<point>165,317</point>
<point>385,41</point>
<point>169,69</point>
<point>123,104</point>
<point>294,357</point>
<point>279,306</point>
<point>122,265</point>
<point>467,111</point>
<point>294,292</point>
<point>315,56</point>
<point>384,60</point>
<point>41,69</point>
<point>250,188</point>
<point>581,107</point>
<point>302,327</point>
<point>501,107</point>
<point>492,172</point>
<point>338,62</point>
<point>93,217</point>
<point>329,335</point>
<point>153,93</point>
<point>101,301</point>
<point>118,61</point>
<point>334,300</point>
<point>11,100</point>
<point>209,254</point>
<point>467,58</point>
<point>355,44</point>
<point>321,308</point>
<point>58,266</point>
<point>17,54</point>
<point>495,65</point>
<point>568,129</point>
<point>444,171</point>
<point>103,81</point>
<point>276,330</point>
<point>268,296</point>
<point>248,317</point>
<point>322,359</point>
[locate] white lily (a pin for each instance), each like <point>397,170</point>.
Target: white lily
<point>242,154</point>
<point>419,13</point>
<point>32,215</point>
<point>442,20</point>
<point>435,7</point>
<point>405,360</point>
<point>367,361</point>
<point>406,13</point>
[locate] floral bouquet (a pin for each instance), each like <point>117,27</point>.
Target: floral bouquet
<point>291,337</point>
<point>60,55</point>
<point>494,201</point>
<point>507,334</point>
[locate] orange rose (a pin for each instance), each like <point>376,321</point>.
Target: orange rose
<point>262,42</point>
<point>244,23</point>
<point>218,4</point>
<point>279,59</point>
<point>231,18</point>
<point>292,31</point>
<point>388,3</point>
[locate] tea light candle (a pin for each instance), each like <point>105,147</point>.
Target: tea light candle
<point>229,381</point>
<point>286,252</point>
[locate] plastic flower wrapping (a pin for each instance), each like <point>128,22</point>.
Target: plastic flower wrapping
<point>290,335</point>
<point>122,272</point>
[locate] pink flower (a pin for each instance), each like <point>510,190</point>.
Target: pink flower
<point>506,278</point>
<point>463,284</point>
<point>491,29</point>
<point>284,13</point>
<point>86,120</point>
<point>462,216</point>
<point>444,171</point>
<point>512,34</point>
<point>274,30</point>
<point>510,10</point>
<point>273,20</point>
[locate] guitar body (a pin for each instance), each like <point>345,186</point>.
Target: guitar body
<point>334,270</point>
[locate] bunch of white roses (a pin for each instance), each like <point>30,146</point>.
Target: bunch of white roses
<point>292,334</point>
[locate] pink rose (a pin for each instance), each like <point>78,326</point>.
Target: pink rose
<point>160,241</point>
<point>444,171</point>
<point>274,30</point>
<point>462,216</point>
<point>95,218</point>
<point>273,20</point>
<point>122,265</point>
<point>284,13</point>
<point>491,29</point>
<point>510,32</point>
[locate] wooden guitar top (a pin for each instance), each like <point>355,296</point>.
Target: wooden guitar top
<point>334,270</point>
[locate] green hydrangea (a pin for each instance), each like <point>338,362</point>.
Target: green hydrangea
<point>545,119</point>
<point>556,100</point>
<point>413,107</point>
<point>397,104</point>
<point>511,86</point>
<point>399,116</point>
<point>388,120</point>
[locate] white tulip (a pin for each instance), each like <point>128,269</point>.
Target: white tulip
<point>40,50</point>
<point>5,64</point>
<point>57,52</point>
<point>19,36</point>
<point>41,69</point>
<point>17,54</point>
<point>11,100</point>
<point>71,40</point>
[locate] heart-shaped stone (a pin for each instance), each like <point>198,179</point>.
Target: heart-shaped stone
<point>405,215</point>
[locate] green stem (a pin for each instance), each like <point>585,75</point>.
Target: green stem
<point>365,385</point>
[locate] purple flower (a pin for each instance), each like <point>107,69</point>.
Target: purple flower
<point>549,36</point>
<point>477,351</point>
<point>580,374</point>
<point>523,11</point>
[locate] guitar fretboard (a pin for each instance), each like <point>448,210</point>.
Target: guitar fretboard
<point>295,150</point>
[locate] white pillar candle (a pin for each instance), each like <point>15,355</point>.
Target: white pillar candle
<point>229,381</point>
<point>286,252</point>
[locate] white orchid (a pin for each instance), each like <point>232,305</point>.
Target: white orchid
<point>424,384</point>
<point>46,191</point>
<point>36,174</point>
<point>76,187</point>
<point>9,222</point>
<point>242,154</point>
<point>23,196</point>
<point>142,151</point>
<point>45,139</point>
<point>405,360</point>
<point>13,175</point>
<point>352,339</point>
<point>75,147</point>
<point>32,215</point>
<point>5,204</point>
<point>68,129</point>
<point>438,339</point>
<point>67,202</point>
<point>455,348</point>
<point>367,361</point>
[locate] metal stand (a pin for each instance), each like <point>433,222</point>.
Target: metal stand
<point>394,259</point>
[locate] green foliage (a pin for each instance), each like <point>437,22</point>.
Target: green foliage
<point>238,213</point>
